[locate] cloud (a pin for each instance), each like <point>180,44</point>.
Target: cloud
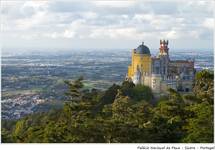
<point>108,20</point>
<point>116,33</point>
<point>31,7</point>
<point>164,7</point>
<point>69,34</point>
<point>69,6</point>
<point>35,20</point>
<point>208,23</point>
<point>116,3</point>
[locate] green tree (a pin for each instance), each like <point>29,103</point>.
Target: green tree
<point>141,92</point>
<point>168,119</point>
<point>74,89</point>
<point>200,125</point>
<point>19,131</point>
<point>121,108</point>
<point>127,88</point>
<point>204,86</point>
<point>6,136</point>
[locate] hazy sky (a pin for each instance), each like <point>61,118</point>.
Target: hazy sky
<point>88,24</point>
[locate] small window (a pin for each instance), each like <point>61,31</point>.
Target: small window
<point>157,70</point>
<point>187,89</point>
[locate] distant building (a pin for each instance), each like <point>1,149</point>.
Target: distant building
<point>160,73</point>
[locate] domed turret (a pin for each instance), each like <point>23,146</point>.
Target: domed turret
<point>141,65</point>
<point>142,49</point>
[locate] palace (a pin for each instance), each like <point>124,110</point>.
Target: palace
<point>160,73</point>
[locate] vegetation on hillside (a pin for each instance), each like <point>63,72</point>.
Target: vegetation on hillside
<point>121,114</point>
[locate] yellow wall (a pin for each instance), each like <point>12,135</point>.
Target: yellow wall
<point>129,71</point>
<point>144,62</point>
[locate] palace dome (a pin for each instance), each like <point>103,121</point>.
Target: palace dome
<point>143,49</point>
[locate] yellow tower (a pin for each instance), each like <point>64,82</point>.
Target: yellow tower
<point>141,61</point>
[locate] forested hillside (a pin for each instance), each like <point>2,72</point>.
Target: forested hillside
<point>122,114</point>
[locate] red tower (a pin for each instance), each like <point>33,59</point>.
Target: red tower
<point>164,47</point>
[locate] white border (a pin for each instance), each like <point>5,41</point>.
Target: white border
<point>138,146</point>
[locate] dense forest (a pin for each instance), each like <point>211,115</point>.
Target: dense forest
<point>122,114</point>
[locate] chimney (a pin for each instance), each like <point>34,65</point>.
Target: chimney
<point>164,47</point>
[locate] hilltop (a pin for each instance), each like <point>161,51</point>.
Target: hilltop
<point>121,114</point>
